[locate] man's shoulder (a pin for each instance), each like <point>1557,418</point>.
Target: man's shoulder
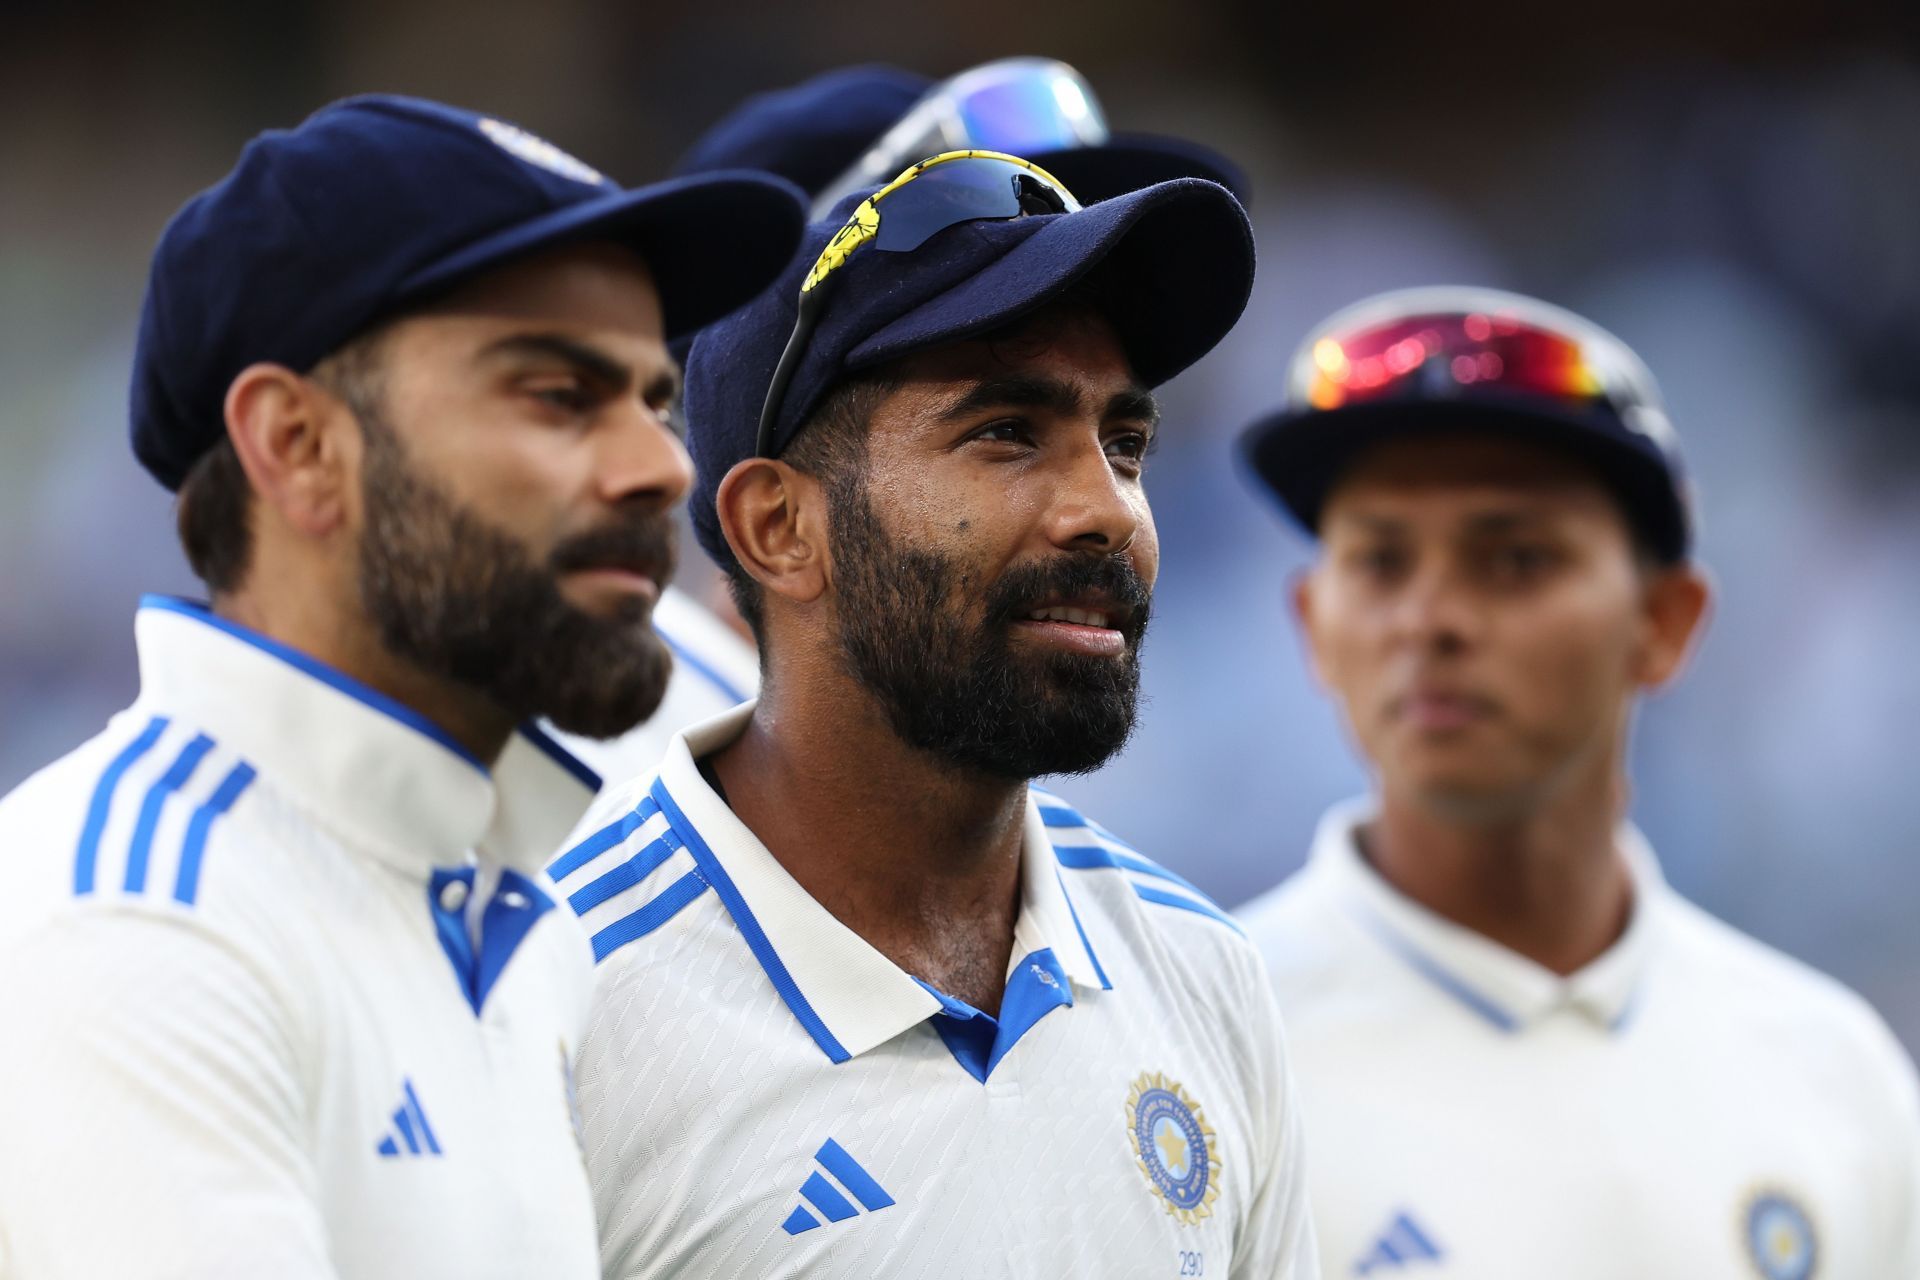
<point>1740,977</point>
<point>134,823</point>
<point>629,874</point>
<point>1161,916</point>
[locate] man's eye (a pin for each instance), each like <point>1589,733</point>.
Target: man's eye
<point>1135,445</point>
<point>572,396</point>
<point>1522,560</point>
<point>1379,562</point>
<point>1004,431</point>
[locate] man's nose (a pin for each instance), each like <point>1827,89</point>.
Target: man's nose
<point>642,459</point>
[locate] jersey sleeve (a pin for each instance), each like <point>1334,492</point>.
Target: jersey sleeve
<point>151,1102</point>
<point>1278,1243</point>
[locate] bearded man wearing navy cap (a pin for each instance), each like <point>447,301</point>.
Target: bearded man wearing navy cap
<point>868,1003</point>
<point>287,995</point>
<point>849,129</point>
<point>1523,1053</point>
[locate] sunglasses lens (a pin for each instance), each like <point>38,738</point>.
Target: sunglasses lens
<point>1449,356</point>
<point>1031,108</point>
<point>957,191</point>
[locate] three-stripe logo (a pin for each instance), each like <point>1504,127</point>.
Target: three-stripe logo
<point>174,781</point>
<point>408,1133</point>
<point>1401,1244</point>
<point>829,1196</point>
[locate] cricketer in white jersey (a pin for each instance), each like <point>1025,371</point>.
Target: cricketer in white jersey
<point>1692,1103</point>
<point>764,1093</point>
<point>714,669</point>
<point>286,993</point>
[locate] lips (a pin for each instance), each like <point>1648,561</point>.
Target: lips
<point>1440,710</point>
<point>1067,613</point>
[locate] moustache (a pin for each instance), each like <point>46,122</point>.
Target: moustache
<point>644,545</point>
<point>1109,580</point>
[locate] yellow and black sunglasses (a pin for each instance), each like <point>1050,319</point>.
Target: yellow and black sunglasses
<point>939,192</point>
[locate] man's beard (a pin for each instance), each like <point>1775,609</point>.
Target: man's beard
<point>964,692</point>
<point>457,596</point>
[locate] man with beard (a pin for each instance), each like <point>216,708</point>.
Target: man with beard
<point>844,130</point>
<point>285,996</point>
<point>1523,1053</point>
<point>868,1005</point>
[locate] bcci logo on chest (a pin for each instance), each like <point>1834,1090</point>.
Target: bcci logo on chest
<point>1173,1146</point>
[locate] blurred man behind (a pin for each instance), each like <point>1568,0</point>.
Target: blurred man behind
<point>1521,1053</point>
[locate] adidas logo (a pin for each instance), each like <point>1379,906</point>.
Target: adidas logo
<point>1403,1242</point>
<point>829,1195</point>
<point>410,1134</point>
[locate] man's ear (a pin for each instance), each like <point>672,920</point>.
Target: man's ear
<point>296,443</point>
<point>1300,589</point>
<point>1677,602</point>
<point>775,521</point>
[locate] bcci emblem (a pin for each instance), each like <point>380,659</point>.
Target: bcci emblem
<point>1780,1237</point>
<point>536,150</point>
<point>1174,1146</point>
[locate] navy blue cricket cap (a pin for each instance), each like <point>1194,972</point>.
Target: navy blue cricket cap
<point>1454,359</point>
<point>1174,262</point>
<point>812,132</point>
<point>374,203</point>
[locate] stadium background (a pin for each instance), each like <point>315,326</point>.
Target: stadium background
<point>1734,190</point>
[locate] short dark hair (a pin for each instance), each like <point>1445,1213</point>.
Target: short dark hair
<point>213,510</point>
<point>830,446</point>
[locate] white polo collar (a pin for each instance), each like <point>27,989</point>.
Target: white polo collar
<point>848,996</point>
<point>378,773</point>
<point>1506,989</point>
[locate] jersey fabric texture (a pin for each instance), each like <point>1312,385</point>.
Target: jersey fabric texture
<point>1690,1104</point>
<point>714,670</point>
<point>765,1094</point>
<point>285,991</point>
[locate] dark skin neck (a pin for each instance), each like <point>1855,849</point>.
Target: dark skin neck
<point>918,858</point>
<point>348,644</point>
<point>1544,880</point>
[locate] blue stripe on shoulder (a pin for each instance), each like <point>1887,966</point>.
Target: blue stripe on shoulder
<point>649,917</point>
<point>603,839</point>
<point>1083,856</point>
<point>87,853</point>
<point>1087,857</point>
<point>625,875</point>
<point>1196,905</point>
<point>186,884</point>
<point>176,776</point>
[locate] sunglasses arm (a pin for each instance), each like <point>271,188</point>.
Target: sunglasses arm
<point>812,302</point>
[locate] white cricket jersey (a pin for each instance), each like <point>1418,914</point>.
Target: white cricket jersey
<point>284,991</point>
<point>1691,1104</point>
<point>765,1094</point>
<point>714,670</point>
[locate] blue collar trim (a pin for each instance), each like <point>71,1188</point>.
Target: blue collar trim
<point>978,1041</point>
<point>1432,970</point>
<point>681,653</point>
<point>756,937</point>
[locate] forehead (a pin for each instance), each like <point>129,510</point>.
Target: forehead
<point>589,286</point>
<point>1457,478</point>
<point>1068,343</point>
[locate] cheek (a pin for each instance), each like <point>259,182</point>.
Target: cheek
<point>1570,666</point>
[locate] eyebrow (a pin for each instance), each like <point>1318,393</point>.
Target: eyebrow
<point>596,364</point>
<point>1034,392</point>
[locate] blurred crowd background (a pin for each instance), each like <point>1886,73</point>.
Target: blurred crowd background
<point>1734,190</point>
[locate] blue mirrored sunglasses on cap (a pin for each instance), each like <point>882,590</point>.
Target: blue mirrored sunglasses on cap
<point>1022,106</point>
